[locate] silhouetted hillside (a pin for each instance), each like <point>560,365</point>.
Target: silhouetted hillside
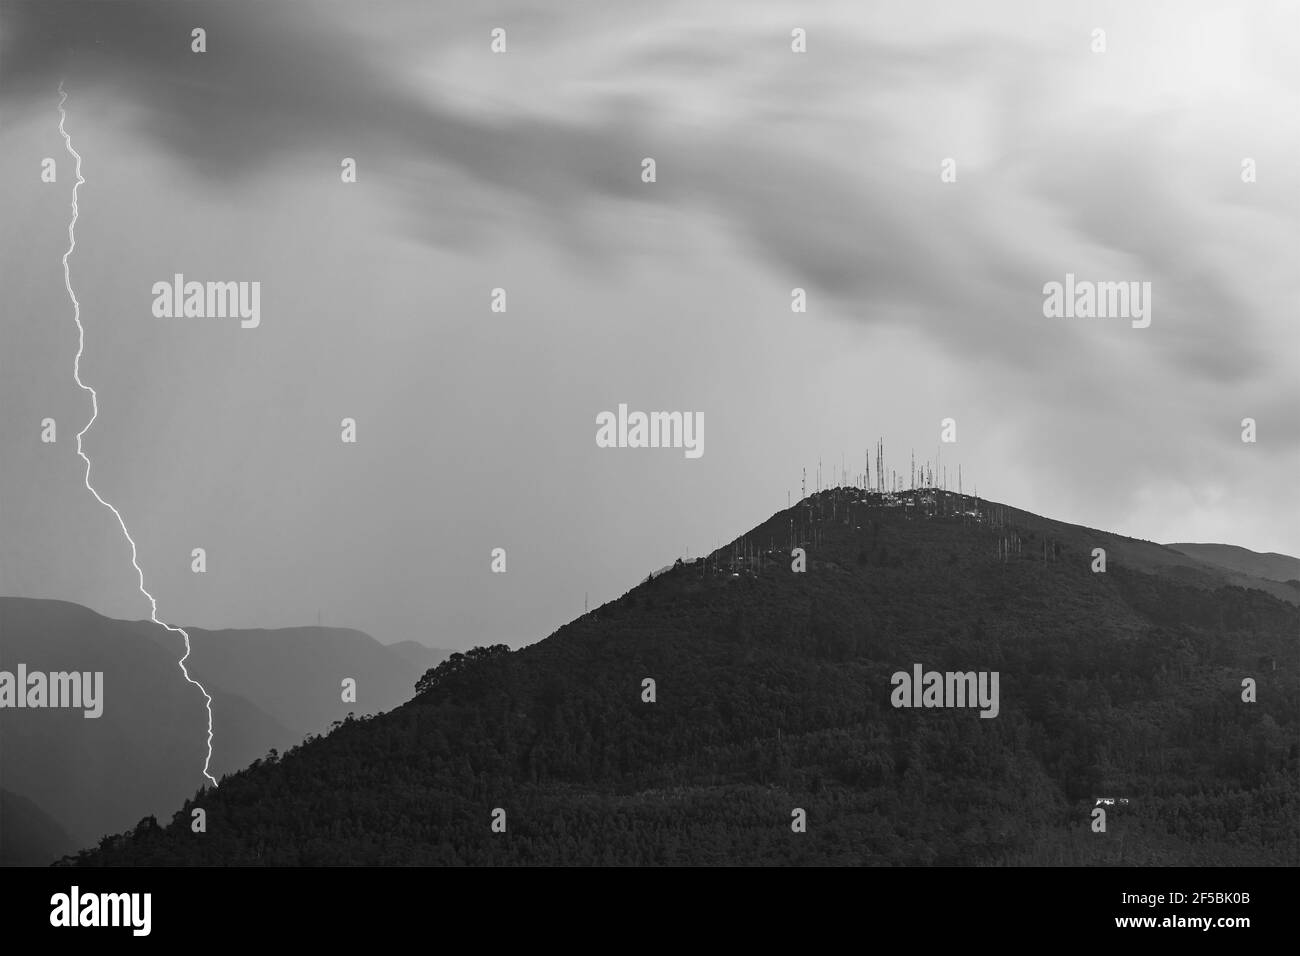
<point>773,692</point>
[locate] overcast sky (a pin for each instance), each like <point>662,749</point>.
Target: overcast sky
<point>522,170</point>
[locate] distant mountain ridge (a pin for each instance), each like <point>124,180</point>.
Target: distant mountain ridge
<point>1269,566</point>
<point>420,656</point>
<point>295,673</point>
<point>270,689</point>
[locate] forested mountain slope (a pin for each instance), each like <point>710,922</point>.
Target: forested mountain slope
<point>773,693</point>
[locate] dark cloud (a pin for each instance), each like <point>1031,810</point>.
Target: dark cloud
<point>859,219</point>
<point>283,80</point>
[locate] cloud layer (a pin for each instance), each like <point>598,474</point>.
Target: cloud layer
<point>819,170</point>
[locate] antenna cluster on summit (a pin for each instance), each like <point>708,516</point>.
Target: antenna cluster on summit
<point>876,477</point>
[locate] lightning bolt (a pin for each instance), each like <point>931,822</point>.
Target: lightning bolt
<point>94,414</point>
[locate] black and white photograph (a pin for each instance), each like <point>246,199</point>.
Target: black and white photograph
<point>702,434</point>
